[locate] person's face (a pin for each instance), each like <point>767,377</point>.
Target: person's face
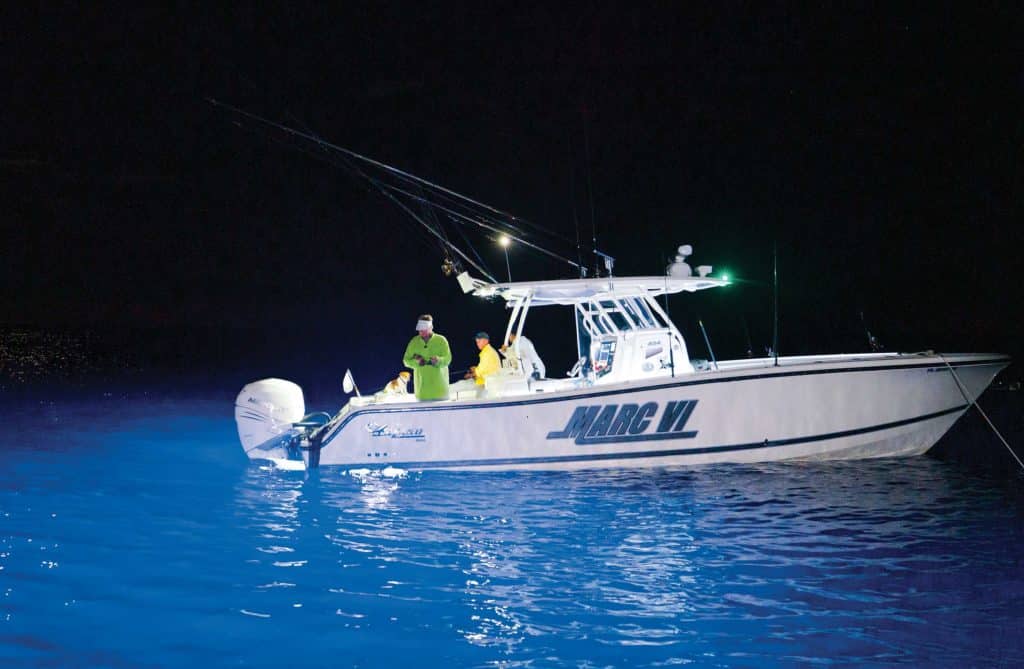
<point>425,332</point>
<point>480,343</point>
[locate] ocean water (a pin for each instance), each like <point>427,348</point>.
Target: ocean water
<point>134,533</point>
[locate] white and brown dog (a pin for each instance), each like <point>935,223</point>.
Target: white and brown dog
<point>399,386</point>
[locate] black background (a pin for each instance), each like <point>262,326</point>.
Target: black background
<point>880,150</point>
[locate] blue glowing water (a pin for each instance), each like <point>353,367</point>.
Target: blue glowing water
<point>134,533</point>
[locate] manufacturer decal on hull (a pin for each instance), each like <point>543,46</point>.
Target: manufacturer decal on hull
<point>414,433</point>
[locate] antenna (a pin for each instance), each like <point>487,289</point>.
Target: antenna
<point>775,301</point>
<point>671,342</point>
<point>746,331</point>
<point>575,218</point>
<point>590,189</point>
<point>707,342</point>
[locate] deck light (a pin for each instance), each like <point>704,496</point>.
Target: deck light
<point>504,240</point>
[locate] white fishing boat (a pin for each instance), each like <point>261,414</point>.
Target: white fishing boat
<point>634,399</point>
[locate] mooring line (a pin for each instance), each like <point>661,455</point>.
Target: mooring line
<point>970,400</point>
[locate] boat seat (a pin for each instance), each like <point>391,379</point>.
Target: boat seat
<point>506,382</point>
<point>466,389</point>
<point>548,385</point>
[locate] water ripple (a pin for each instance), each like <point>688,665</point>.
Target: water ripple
<point>150,548</point>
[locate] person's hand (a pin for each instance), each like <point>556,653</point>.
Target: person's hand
<point>433,360</point>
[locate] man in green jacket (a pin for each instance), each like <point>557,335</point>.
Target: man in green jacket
<point>428,355</point>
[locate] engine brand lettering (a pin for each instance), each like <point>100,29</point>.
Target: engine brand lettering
<point>614,423</point>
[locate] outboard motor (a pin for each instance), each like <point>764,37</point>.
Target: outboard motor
<point>265,413</point>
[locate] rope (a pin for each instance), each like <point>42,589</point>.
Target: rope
<point>970,400</point>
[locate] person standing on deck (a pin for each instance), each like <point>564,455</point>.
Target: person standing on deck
<point>428,355</point>
<point>528,361</point>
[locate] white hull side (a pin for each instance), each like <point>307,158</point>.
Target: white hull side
<point>898,444</point>
<point>827,409</point>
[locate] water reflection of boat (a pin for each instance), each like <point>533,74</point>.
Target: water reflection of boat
<point>635,398</point>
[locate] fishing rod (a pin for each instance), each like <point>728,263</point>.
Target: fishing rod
<point>456,215</point>
<point>431,232</point>
<point>353,154</point>
<point>517,235</point>
<point>436,230</point>
<point>429,228</point>
<point>477,222</point>
<point>707,342</point>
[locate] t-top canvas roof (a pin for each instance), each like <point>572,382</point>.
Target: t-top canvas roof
<point>577,291</point>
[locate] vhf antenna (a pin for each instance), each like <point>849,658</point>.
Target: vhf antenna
<point>590,189</point>
<point>775,301</point>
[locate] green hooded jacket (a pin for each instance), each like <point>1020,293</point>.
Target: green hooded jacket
<point>429,381</point>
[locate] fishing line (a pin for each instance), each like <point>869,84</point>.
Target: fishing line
<point>366,182</point>
<point>425,230</point>
<point>441,192</point>
<point>457,250</point>
<point>472,248</point>
<point>383,189</point>
<point>487,226</point>
<point>383,166</point>
<point>963,391</point>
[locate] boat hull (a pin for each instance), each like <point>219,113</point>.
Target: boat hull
<point>819,409</point>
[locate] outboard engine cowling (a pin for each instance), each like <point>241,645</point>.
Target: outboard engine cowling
<point>264,413</point>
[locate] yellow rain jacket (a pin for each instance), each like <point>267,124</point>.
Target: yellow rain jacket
<point>489,364</point>
<point>429,381</point>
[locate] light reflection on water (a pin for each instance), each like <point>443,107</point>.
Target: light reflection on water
<point>139,544</point>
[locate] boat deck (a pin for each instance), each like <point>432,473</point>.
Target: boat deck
<point>507,384</point>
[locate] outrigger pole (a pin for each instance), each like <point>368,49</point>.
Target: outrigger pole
<point>389,191</point>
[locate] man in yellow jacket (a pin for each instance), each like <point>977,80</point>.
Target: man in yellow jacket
<point>489,361</point>
<point>428,355</point>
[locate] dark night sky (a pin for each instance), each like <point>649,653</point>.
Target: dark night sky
<point>880,149</point>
